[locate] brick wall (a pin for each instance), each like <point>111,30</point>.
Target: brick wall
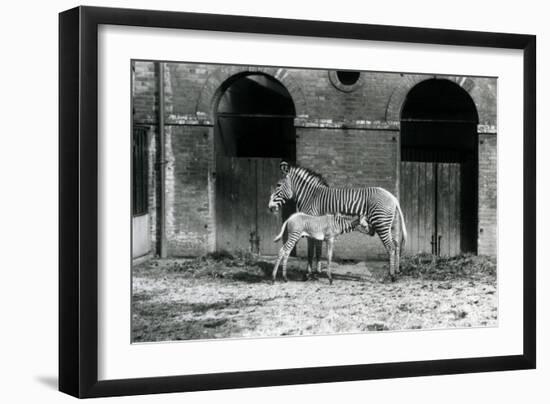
<point>487,239</point>
<point>352,138</point>
<point>192,87</point>
<point>145,93</point>
<point>350,157</point>
<point>189,215</point>
<point>367,102</point>
<point>185,83</point>
<point>484,92</point>
<point>152,187</point>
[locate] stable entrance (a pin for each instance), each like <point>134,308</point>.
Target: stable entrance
<point>254,131</point>
<point>243,187</point>
<point>439,164</point>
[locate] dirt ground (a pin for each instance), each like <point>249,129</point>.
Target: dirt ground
<point>231,297</point>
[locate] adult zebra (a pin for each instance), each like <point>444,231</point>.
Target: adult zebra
<point>314,196</point>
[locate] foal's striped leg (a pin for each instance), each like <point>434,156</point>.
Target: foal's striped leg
<point>310,252</point>
<point>330,249</point>
<point>279,258</point>
<point>284,253</point>
<point>318,253</point>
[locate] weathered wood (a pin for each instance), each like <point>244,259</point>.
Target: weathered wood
<point>234,205</point>
<point>415,207</point>
<point>243,222</point>
<point>423,185</point>
<point>418,204</point>
<point>429,207</point>
<point>449,220</point>
<point>268,224</point>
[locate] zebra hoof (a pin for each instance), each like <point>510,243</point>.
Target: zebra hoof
<point>285,279</point>
<point>330,281</point>
<point>392,277</point>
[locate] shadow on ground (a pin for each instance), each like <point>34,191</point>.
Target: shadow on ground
<point>48,381</point>
<point>159,321</point>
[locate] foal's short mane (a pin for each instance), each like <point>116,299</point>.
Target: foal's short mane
<point>311,173</point>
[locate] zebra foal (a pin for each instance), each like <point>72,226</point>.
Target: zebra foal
<point>326,227</point>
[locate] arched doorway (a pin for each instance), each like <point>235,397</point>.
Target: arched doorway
<point>254,130</point>
<point>439,168</point>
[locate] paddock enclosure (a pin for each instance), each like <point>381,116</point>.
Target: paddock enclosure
<point>208,140</point>
<point>232,297</point>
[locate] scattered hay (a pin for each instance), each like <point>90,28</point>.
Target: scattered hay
<point>230,295</point>
<point>242,267</point>
<point>427,266</point>
<point>217,265</point>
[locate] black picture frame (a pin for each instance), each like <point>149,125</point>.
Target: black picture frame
<point>78,201</point>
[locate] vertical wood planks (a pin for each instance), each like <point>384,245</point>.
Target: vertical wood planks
<point>418,189</point>
<point>268,224</point>
<point>429,206</point>
<point>243,187</point>
<point>443,208</point>
<point>417,202</point>
<point>235,208</point>
<point>448,218</point>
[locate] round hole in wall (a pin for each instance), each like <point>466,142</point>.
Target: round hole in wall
<point>348,78</point>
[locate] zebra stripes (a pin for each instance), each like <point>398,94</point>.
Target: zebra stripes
<point>326,227</point>
<point>315,197</point>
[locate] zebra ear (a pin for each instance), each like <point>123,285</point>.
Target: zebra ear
<point>285,167</point>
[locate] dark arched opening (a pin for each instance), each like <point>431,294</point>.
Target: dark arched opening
<point>439,168</point>
<point>255,118</point>
<point>254,131</point>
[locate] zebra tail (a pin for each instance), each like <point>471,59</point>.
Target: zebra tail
<point>281,233</point>
<point>403,227</point>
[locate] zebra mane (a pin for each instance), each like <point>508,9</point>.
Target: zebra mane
<point>303,173</point>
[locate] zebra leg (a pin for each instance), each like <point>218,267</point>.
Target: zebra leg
<point>318,254</point>
<point>387,240</point>
<point>285,259</point>
<point>397,236</point>
<point>397,257</point>
<point>310,246</point>
<point>285,253</point>
<point>279,258</point>
<point>330,247</point>
<point>392,262</point>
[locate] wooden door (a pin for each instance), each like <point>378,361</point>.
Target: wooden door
<point>268,224</point>
<point>234,203</point>
<point>417,199</point>
<point>448,208</point>
<point>430,198</point>
<point>243,221</point>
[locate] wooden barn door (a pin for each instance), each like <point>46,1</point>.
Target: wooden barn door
<point>448,208</point>
<point>417,196</point>
<point>243,187</point>
<point>268,225</point>
<point>430,199</point>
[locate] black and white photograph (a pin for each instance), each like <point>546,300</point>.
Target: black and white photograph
<point>274,201</point>
<point>278,202</point>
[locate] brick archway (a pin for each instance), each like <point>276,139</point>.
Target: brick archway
<point>213,88</point>
<point>397,98</point>
<point>439,163</point>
